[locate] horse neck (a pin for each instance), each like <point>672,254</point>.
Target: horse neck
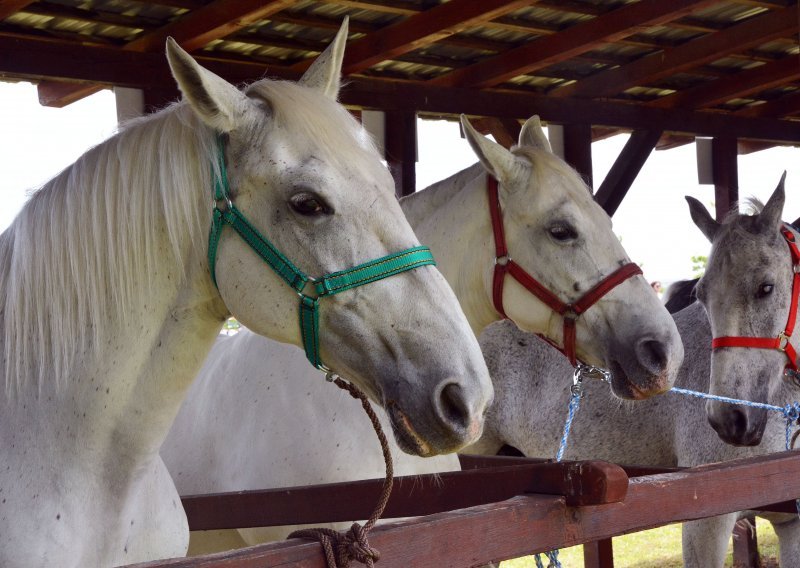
<point>122,385</point>
<point>452,217</point>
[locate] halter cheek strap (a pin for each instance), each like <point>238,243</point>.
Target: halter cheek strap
<point>226,213</point>
<point>504,265</point>
<point>783,341</point>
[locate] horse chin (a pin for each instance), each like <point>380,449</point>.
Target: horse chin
<point>405,435</point>
<point>622,386</point>
<point>638,388</point>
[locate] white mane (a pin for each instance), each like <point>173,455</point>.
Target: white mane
<point>82,250</point>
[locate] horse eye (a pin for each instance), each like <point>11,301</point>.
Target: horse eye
<point>309,204</point>
<point>562,232</point>
<point>764,290</point>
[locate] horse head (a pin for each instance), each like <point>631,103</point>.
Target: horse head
<point>595,306</point>
<point>297,165</point>
<point>747,291</point>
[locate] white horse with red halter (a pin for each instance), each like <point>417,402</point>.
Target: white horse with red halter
<point>108,308</point>
<point>224,441</point>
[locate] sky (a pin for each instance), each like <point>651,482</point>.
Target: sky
<point>652,222</point>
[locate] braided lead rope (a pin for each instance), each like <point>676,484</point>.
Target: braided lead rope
<point>790,413</point>
<point>576,393</point>
<point>342,548</point>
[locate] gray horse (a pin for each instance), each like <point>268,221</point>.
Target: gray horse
<point>670,430</point>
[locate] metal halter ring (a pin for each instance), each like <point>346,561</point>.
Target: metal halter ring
<point>223,204</point>
<point>502,260</point>
<point>783,341</point>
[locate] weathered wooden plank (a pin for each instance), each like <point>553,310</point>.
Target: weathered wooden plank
<point>573,41</point>
<point>527,524</point>
<point>580,482</point>
<point>578,149</point>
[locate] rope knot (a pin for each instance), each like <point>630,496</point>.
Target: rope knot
<point>792,412</point>
<point>355,545</point>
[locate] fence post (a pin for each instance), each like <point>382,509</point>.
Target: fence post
<point>598,554</point>
<point>745,544</point>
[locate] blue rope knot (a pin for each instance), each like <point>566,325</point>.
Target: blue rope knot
<point>792,412</point>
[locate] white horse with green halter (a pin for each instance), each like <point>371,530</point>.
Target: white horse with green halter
<point>225,440</point>
<point>108,308</point>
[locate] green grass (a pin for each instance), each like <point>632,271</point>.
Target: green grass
<point>656,548</point>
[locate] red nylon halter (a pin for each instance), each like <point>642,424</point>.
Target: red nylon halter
<point>504,265</point>
<point>782,342</point>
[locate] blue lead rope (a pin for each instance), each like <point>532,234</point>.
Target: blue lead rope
<point>790,413</point>
<point>576,393</point>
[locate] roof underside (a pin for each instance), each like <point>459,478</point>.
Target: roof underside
<point>697,67</point>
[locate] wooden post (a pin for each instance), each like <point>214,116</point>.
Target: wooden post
<point>401,150</point>
<point>598,554</point>
<point>578,150</point>
<point>745,544</point>
<point>625,169</point>
<point>156,99</point>
<point>726,174</point>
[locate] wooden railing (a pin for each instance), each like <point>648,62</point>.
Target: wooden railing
<point>495,511</point>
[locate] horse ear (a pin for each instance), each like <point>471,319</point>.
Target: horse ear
<point>217,102</point>
<point>498,161</point>
<point>533,135</point>
<point>325,73</point>
<point>704,221</point>
<point>770,217</point>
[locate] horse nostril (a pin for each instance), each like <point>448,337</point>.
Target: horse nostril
<point>652,355</point>
<point>453,408</point>
<point>738,422</point>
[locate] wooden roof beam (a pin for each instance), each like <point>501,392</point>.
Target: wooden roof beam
<point>752,32</point>
<point>35,59</point>
<point>573,41</point>
<point>738,84</point>
<point>786,105</point>
<point>423,29</point>
<point>504,130</point>
<point>193,30</point>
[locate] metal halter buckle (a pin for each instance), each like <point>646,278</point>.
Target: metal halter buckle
<point>222,204</point>
<point>783,341</point>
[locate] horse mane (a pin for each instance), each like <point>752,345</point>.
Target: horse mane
<point>81,252</point>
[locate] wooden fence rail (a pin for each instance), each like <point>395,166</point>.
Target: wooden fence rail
<point>531,523</point>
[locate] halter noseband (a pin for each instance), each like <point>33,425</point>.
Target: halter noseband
<point>570,312</point>
<point>783,341</point>
<point>226,213</point>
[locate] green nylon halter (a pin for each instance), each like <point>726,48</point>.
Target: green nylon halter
<point>226,213</point>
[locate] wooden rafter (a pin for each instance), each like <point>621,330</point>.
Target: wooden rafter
<point>193,30</point>
<point>422,29</point>
<point>736,85</point>
<point>786,105</point>
<point>35,58</point>
<point>504,130</point>
<point>625,169</point>
<point>573,41</point>
<point>752,32</point>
